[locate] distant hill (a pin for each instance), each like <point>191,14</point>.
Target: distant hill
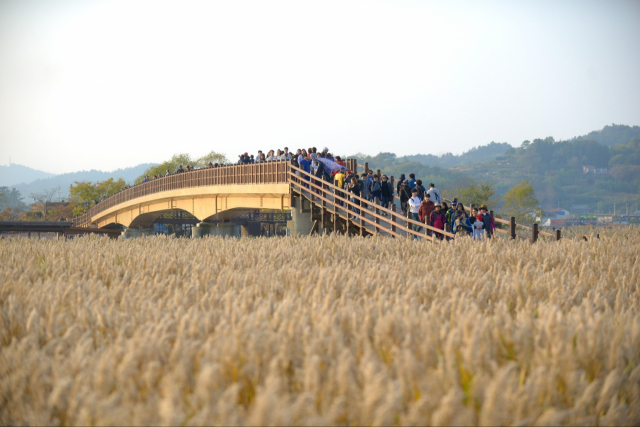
<point>65,180</point>
<point>479,154</point>
<point>611,135</point>
<point>16,174</point>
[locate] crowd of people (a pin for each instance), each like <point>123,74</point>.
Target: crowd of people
<point>425,206</point>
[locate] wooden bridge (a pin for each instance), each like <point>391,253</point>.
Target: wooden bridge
<point>225,193</point>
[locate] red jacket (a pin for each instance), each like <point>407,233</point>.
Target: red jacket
<point>425,210</point>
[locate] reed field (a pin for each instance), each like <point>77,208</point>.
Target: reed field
<point>321,330</point>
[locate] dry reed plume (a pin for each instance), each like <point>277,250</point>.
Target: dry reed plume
<point>328,330</point>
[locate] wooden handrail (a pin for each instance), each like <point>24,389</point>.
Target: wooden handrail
<point>263,173</point>
<point>367,202</point>
<point>362,217</point>
<point>502,221</point>
<point>347,210</point>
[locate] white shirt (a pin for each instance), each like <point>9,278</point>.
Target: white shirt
<point>414,203</point>
<point>434,195</point>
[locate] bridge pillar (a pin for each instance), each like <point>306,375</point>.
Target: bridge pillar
<point>133,233</point>
<point>146,232</point>
<point>202,229</point>
<point>300,224</point>
<point>130,233</point>
<point>226,229</point>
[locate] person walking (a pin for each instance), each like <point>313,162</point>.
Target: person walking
<point>436,197</point>
<point>462,223</point>
<point>438,219</point>
<point>386,192</point>
<point>414,207</point>
<point>487,221</point>
<point>404,195</point>
<point>376,190</point>
<point>426,207</point>
<point>338,180</point>
<point>354,189</point>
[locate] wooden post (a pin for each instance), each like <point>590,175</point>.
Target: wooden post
<point>534,233</point>
<point>377,212</point>
<point>366,167</point>
<point>409,227</point>
<point>498,225</point>
<point>336,222</point>
<point>323,203</point>
<point>348,221</point>
<point>428,222</point>
<point>558,235</point>
<point>361,217</point>
<point>447,227</point>
<point>512,227</point>
<point>393,219</point>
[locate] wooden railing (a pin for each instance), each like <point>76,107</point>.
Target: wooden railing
<point>342,206</point>
<point>534,229</point>
<point>259,173</point>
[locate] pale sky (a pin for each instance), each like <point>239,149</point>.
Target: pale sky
<point>109,84</point>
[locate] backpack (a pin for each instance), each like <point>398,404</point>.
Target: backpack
<point>439,221</point>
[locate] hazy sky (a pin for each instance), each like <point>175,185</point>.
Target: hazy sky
<point>93,84</point>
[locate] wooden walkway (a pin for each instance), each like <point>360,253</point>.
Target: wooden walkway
<point>328,204</point>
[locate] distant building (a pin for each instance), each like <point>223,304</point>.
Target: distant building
<point>590,169</point>
<point>580,209</point>
<point>557,213</point>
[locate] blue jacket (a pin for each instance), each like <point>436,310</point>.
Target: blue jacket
<point>466,225</point>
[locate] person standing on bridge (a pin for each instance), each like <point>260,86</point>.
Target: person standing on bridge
<point>412,181</point>
<point>438,219</point>
<point>305,165</point>
<point>404,195</point>
<point>338,180</point>
<point>354,189</point>
<point>286,155</point>
<point>487,221</point>
<point>426,207</point>
<point>400,181</point>
<point>376,190</point>
<point>436,197</point>
<point>414,208</point>
<point>386,193</point>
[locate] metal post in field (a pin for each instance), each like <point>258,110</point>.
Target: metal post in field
<point>512,227</point>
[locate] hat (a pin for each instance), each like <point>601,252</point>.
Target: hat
<point>401,176</point>
<point>246,154</point>
<point>326,148</point>
<point>483,207</point>
<point>454,202</point>
<point>437,205</point>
